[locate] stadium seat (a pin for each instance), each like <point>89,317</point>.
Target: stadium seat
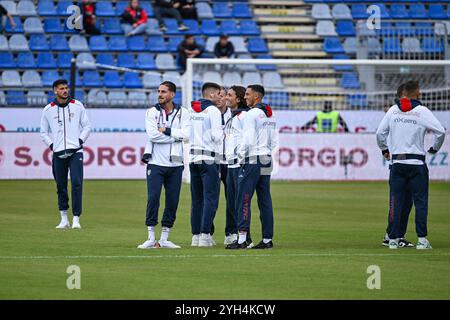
<point>257,45</point>
<point>45,60</point>
<point>31,78</point>
<point>411,45</point>
<point>26,8</point>
<point>442,27</point>
<point>2,96</point>
<point>78,43</point>
<point>36,98</point>
<point>231,78</point>
<point>424,29</point>
<point>333,45</point>
<point>173,43</point>
<point>117,43</point>
<point>165,61</point>
<point>357,100</point>
<point>172,26</point>
<point>132,80</point>
<point>25,60</point>
<point>112,26</point>
<point>120,7</point>
<point>204,10</point>
<point>151,80</point>
<point>137,98</point>
<point>384,14</point>
<point>359,11</point>
<point>91,79</point>
<point>241,11</point>
<point>209,28</point>
<point>345,28</point>
<point>53,25</point>
<point>85,60</point>
<point>66,75</point>
<point>17,29</point>
<point>126,60</point>
<point>157,44</point>
<point>437,11</point>
<point>48,77</point>
<point>342,67</point>
<point>325,28</point>
<point>104,9</point>
<point>172,76</point>
<point>63,60</point>
<point>350,80</point>
<point>33,25</point>
<point>341,11</point>
<point>418,11</point>
<point>16,98</point>
<point>398,11</point>
<point>146,61</point>
<point>210,43</point>
<point>153,97</point>
<point>58,42</point>
<point>38,42</point>
<point>136,43</point>
<point>118,98</point>
<point>148,8</point>
<point>4,45</point>
<point>98,43</point>
<point>7,60</point>
<point>18,42</point>
<point>373,45</point>
<point>212,76</point>
<point>350,45</point>
<point>11,78</point>
<point>251,78</point>
<point>46,8</point>
<point>266,67</point>
<point>229,28</point>
<point>153,27</point>
<point>272,80</point>
<point>240,47</point>
<point>249,28</point>
<point>10,6</point>
<point>245,67</point>
<point>363,30</point>
<point>97,97</point>
<point>404,29</point>
<point>105,58</point>
<point>62,7</point>
<point>278,99</point>
<point>320,11</point>
<point>391,45</point>
<point>432,45</point>
<point>221,10</point>
<point>194,28</point>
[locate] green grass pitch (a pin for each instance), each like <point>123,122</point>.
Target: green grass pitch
<point>326,236</point>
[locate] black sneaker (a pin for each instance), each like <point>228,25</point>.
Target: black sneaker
<point>262,245</point>
<point>236,245</point>
<point>403,243</point>
<point>385,243</point>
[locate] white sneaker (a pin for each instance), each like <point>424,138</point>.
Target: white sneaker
<point>205,240</point>
<point>76,223</point>
<point>423,245</point>
<point>147,245</point>
<point>168,244</point>
<point>64,224</point>
<point>230,239</point>
<point>211,239</point>
<point>393,244</point>
<point>195,240</point>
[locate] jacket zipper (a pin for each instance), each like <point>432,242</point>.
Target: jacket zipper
<point>64,123</point>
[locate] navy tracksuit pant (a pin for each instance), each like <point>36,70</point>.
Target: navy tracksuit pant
<point>205,190</point>
<point>61,169</point>
<point>414,178</point>
<point>231,192</point>
<point>170,178</point>
<point>250,180</point>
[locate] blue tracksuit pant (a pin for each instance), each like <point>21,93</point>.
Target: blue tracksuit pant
<point>170,178</point>
<point>414,178</point>
<point>205,190</point>
<point>60,169</point>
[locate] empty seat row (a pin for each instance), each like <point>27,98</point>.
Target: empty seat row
<point>43,60</point>
<point>270,79</point>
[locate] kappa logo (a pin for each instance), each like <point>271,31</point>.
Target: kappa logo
<point>149,171</point>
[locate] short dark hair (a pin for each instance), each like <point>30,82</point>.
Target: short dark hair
<point>411,86</point>
<point>257,88</point>
<point>169,84</point>
<point>223,36</point>
<point>59,82</point>
<point>187,36</point>
<point>210,85</point>
<point>400,90</point>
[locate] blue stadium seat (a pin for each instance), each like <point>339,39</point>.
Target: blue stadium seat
<point>194,28</point>
<point>58,42</point>
<point>112,79</point>
<point>62,7</point>
<point>112,26</point>
<point>424,29</point>
<point>257,45</point>
<point>333,45</point>
<point>117,43</point>
<point>229,27</point>
<point>120,7</point>
<point>432,45</point>
<point>105,58</point>
<point>404,29</point>
<point>173,43</point>
<point>98,43</point>
<point>391,45</point>
<point>383,11</point>
<point>53,25</point>
<point>78,83</point>
<point>104,9</point>
<point>418,11</point>
<point>249,28</point>
<point>48,77</point>
<point>359,11</point>
<point>45,60</point>
<point>209,28</point>
<point>126,60</point>
<point>17,29</point>
<point>342,67</point>
<point>25,60</point>
<point>241,11</point>
<point>221,10</point>
<point>136,43</point>
<point>132,80</point>
<point>38,42</point>
<point>148,8</point>
<point>350,80</point>
<point>146,61</point>
<point>63,60</point>
<point>172,26</point>
<point>157,44</point>
<point>398,11</point>
<point>265,67</point>
<point>437,11</point>
<point>357,100</point>
<point>16,98</point>
<point>91,79</point>
<point>278,99</point>
<point>46,8</point>
<point>345,28</point>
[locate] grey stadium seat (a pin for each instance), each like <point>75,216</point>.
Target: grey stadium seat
<point>37,98</point>
<point>138,98</point>
<point>10,6</point>
<point>18,42</point>
<point>83,59</point>
<point>204,10</point>
<point>341,11</point>
<point>411,45</point>
<point>2,96</point>
<point>350,45</point>
<point>118,98</point>
<point>11,78</point>
<point>33,25</point>
<point>320,11</point>
<point>272,80</point>
<point>325,28</point>
<point>78,43</point>
<point>165,61</point>
<point>151,80</point>
<point>172,76</point>
<point>4,46</point>
<point>31,78</point>
<point>212,76</point>
<point>97,97</point>
<point>245,67</point>
<point>239,44</point>
<point>26,8</point>
<point>232,78</point>
<point>251,78</point>
<point>210,43</point>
